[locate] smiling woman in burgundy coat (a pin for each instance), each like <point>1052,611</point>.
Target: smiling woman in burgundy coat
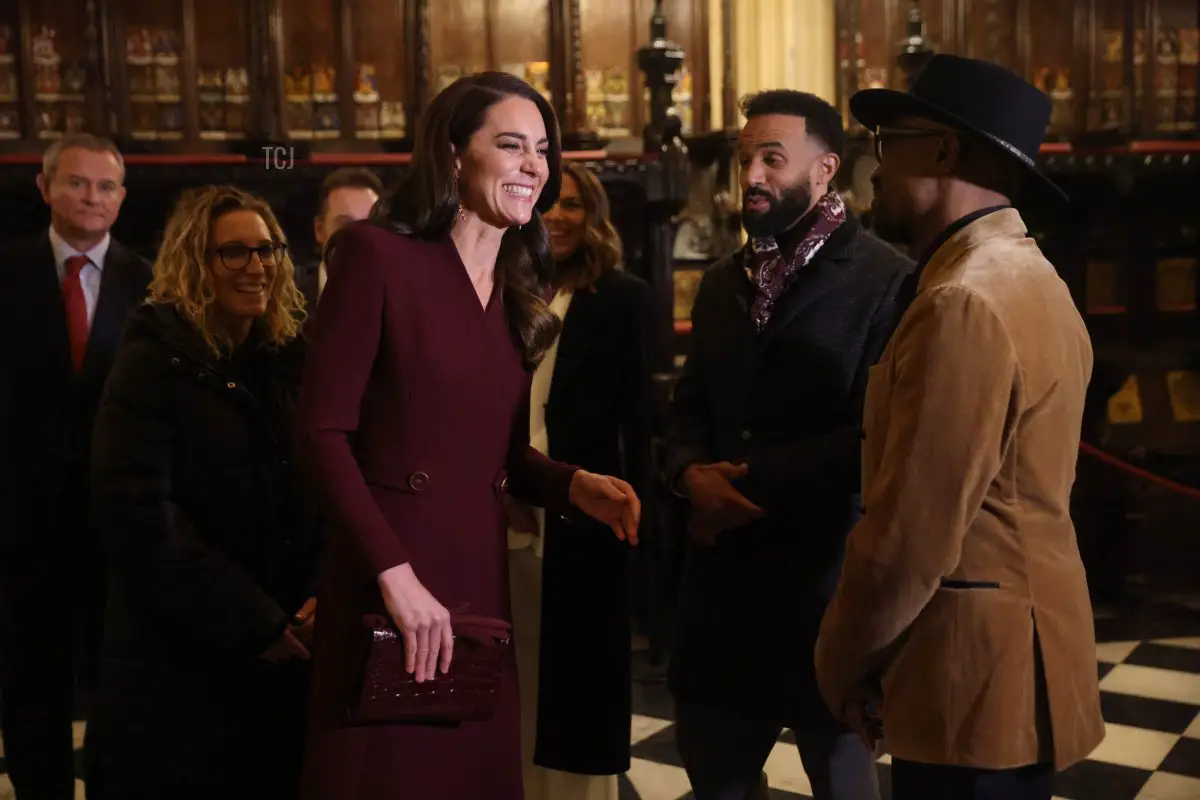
<point>414,422</point>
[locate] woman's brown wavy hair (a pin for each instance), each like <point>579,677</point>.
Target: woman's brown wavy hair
<point>425,202</point>
<point>182,276</point>
<point>600,250</point>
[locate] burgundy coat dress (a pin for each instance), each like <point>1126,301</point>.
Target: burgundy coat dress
<point>413,410</point>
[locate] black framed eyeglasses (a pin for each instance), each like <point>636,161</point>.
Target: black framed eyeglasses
<point>235,256</point>
<point>882,133</point>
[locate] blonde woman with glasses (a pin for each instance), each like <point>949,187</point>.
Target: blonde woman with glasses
<point>211,541</point>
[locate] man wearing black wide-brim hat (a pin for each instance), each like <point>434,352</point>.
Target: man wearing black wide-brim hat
<point>962,608</point>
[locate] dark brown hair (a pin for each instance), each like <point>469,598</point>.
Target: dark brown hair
<point>425,203</point>
<point>601,246</point>
<point>347,178</point>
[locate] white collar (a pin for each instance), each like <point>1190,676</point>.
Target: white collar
<point>63,251</point>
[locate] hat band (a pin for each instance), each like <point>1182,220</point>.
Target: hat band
<point>1024,159</point>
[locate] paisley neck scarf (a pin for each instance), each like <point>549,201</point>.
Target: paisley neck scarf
<point>772,268</point>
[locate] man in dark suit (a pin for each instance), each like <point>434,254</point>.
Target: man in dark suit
<point>64,295</point>
<point>764,440</point>
<point>347,194</point>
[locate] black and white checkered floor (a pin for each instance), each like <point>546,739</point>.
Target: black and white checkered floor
<point>1149,665</point>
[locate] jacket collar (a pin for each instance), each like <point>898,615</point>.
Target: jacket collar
<point>1003,224</point>
<point>163,322</point>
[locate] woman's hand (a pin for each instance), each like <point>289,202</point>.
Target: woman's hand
<point>608,500</point>
<point>424,622</point>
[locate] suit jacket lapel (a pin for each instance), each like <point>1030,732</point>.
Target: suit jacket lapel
<point>44,304</point>
<point>573,343</point>
<point>825,272</point>
<point>741,340</point>
<point>118,290</point>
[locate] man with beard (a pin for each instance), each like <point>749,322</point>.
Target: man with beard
<point>963,599</point>
<point>764,443</point>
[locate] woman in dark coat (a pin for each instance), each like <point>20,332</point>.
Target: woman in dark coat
<point>414,422</point>
<point>211,541</point>
<point>591,405</point>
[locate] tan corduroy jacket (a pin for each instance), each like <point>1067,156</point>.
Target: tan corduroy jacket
<point>965,563</point>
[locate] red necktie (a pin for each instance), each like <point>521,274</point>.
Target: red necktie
<point>76,308</point>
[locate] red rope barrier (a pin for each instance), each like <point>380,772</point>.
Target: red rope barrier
<point>1138,472</point>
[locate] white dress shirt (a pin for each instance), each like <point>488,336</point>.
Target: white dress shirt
<point>90,275</point>
<point>322,276</point>
<point>539,439</point>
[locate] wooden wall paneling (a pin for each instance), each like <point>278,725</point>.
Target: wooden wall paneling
<point>378,52</point>
<point>60,78</point>
<point>224,69</point>
<point>95,91</point>
<point>108,124</point>
<point>1146,19</point>
<point>947,38</point>
<point>346,60</point>
<point>576,78</point>
<point>849,54</point>
<point>608,36</point>
<point>271,68</point>
<point>874,43</point>
<point>26,73</point>
<point>562,80</point>
<point>188,72</point>
<point>1130,58</point>
<point>1049,60</point>
<point>1081,82</point>
<point>702,68</point>
<point>419,23</point>
<point>458,41</point>
<point>961,39</point>
<point>1021,34</point>
<point>992,32</point>
<point>1169,99</point>
<point>519,32</point>
<point>729,78</point>
<point>119,72</point>
<point>639,34</point>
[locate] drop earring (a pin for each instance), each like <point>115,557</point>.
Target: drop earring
<point>462,217</point>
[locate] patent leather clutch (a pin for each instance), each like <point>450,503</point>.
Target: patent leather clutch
<point>389,695</point>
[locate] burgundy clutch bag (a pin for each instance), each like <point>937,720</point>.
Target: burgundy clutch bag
<point>388,695</point>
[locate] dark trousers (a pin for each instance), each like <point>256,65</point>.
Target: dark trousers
<point>50,632</point>
<point>724,754</point>
<point>913,781</point>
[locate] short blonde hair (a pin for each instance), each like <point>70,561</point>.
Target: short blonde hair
<point>183,279</point>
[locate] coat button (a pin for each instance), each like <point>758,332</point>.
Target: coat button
<point>418,481</point>
<point>231,385</point>
<point>175,360</point>
<point>745,436</point>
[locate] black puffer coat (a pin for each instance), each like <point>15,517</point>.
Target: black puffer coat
<point>212,546</point>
